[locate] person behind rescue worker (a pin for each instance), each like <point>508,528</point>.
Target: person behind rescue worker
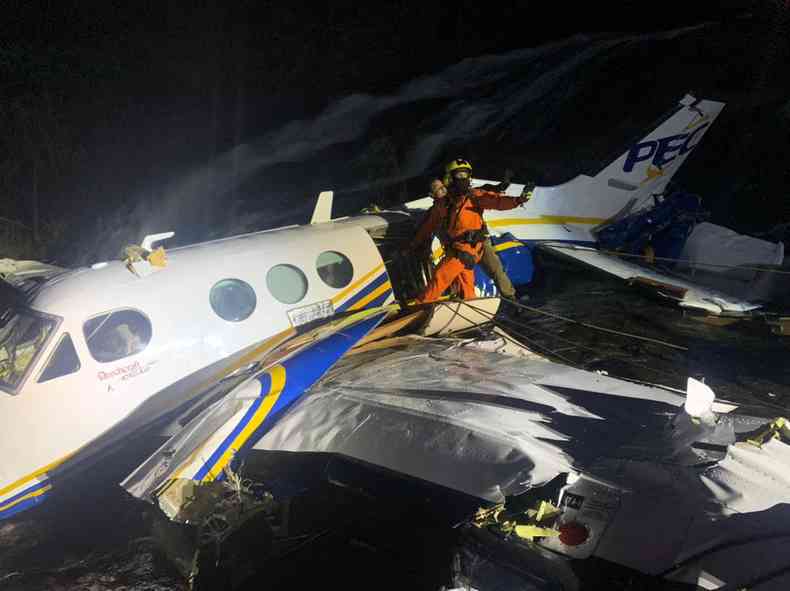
<point>490,261</point>
<point>458,222</point>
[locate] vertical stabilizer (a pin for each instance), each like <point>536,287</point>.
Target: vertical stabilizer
<point>570,211</point>
<point>650,163</point>
<point>323,208</point>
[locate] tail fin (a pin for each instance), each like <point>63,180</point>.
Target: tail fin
<point>651,162</point>
<point>323,208</point>
<point>570,211</point>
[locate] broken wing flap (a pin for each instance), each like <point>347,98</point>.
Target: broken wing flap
<point>687,294</point>
<point>665,290</point>
<point>204,450</point>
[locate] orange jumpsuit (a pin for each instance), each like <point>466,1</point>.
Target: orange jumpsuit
<point>452,218</point>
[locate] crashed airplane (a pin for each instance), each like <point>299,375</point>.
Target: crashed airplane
<point>299,340</point>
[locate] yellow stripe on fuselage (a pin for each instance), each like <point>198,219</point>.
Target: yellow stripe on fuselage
<point>546,219</point>
<point>277,374</point>
<point>356,284</point>
<point>386,286</point>
<point>507,245</point>
<point>503,246</point>
<point>35,493</point>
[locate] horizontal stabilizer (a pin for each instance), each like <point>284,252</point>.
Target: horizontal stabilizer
<point>687,293</point>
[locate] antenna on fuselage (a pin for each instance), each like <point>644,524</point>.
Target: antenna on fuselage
<point>323,208</point>
<point>148,241</point>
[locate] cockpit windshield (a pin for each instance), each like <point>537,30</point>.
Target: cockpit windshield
<point>23,334</point>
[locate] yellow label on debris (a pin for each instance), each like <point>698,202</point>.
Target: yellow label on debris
<point>530,532</point>
<point>158,258</point>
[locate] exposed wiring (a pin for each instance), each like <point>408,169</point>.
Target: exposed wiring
<point>498,322</point>
<point>594,326</point>
<point>577,345</point>
<point>511,339</point>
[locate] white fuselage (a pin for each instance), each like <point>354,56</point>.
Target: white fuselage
<point>44,422</point>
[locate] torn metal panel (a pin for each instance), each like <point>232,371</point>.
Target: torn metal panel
<point>715,520</point>
<point>479,422</point>
<point>655,480</point>
<point>217,437</point>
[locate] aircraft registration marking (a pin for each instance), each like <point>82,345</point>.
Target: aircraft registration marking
<point>306,314</point>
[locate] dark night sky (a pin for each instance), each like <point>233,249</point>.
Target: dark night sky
<point>100,99</point>
<point>302,45</point>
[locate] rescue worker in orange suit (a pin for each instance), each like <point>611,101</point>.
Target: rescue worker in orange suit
<point>490,261</point>
<point>458,221</point>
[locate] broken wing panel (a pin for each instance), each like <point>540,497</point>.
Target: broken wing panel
<point>486,424</point>
<point>686,293</point>
<point>213,439</point>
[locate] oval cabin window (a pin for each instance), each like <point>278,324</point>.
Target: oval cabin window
<point>286,283</point>
<point>334,269</point>
<point>117,334</point>
<point>233,299</point>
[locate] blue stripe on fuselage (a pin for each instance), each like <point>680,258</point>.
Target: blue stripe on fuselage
<point>380,280</point>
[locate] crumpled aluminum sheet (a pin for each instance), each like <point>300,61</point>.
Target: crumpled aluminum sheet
<point>483,423</point>
<point>747,518</point>
<point>150,475</point>
<point>728,522</point>
<point>463,415</point>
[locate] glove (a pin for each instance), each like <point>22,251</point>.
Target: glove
<point>528,188</point>
<point>526,193</point>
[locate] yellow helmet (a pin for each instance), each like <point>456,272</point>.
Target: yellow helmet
<point>455,165</point>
